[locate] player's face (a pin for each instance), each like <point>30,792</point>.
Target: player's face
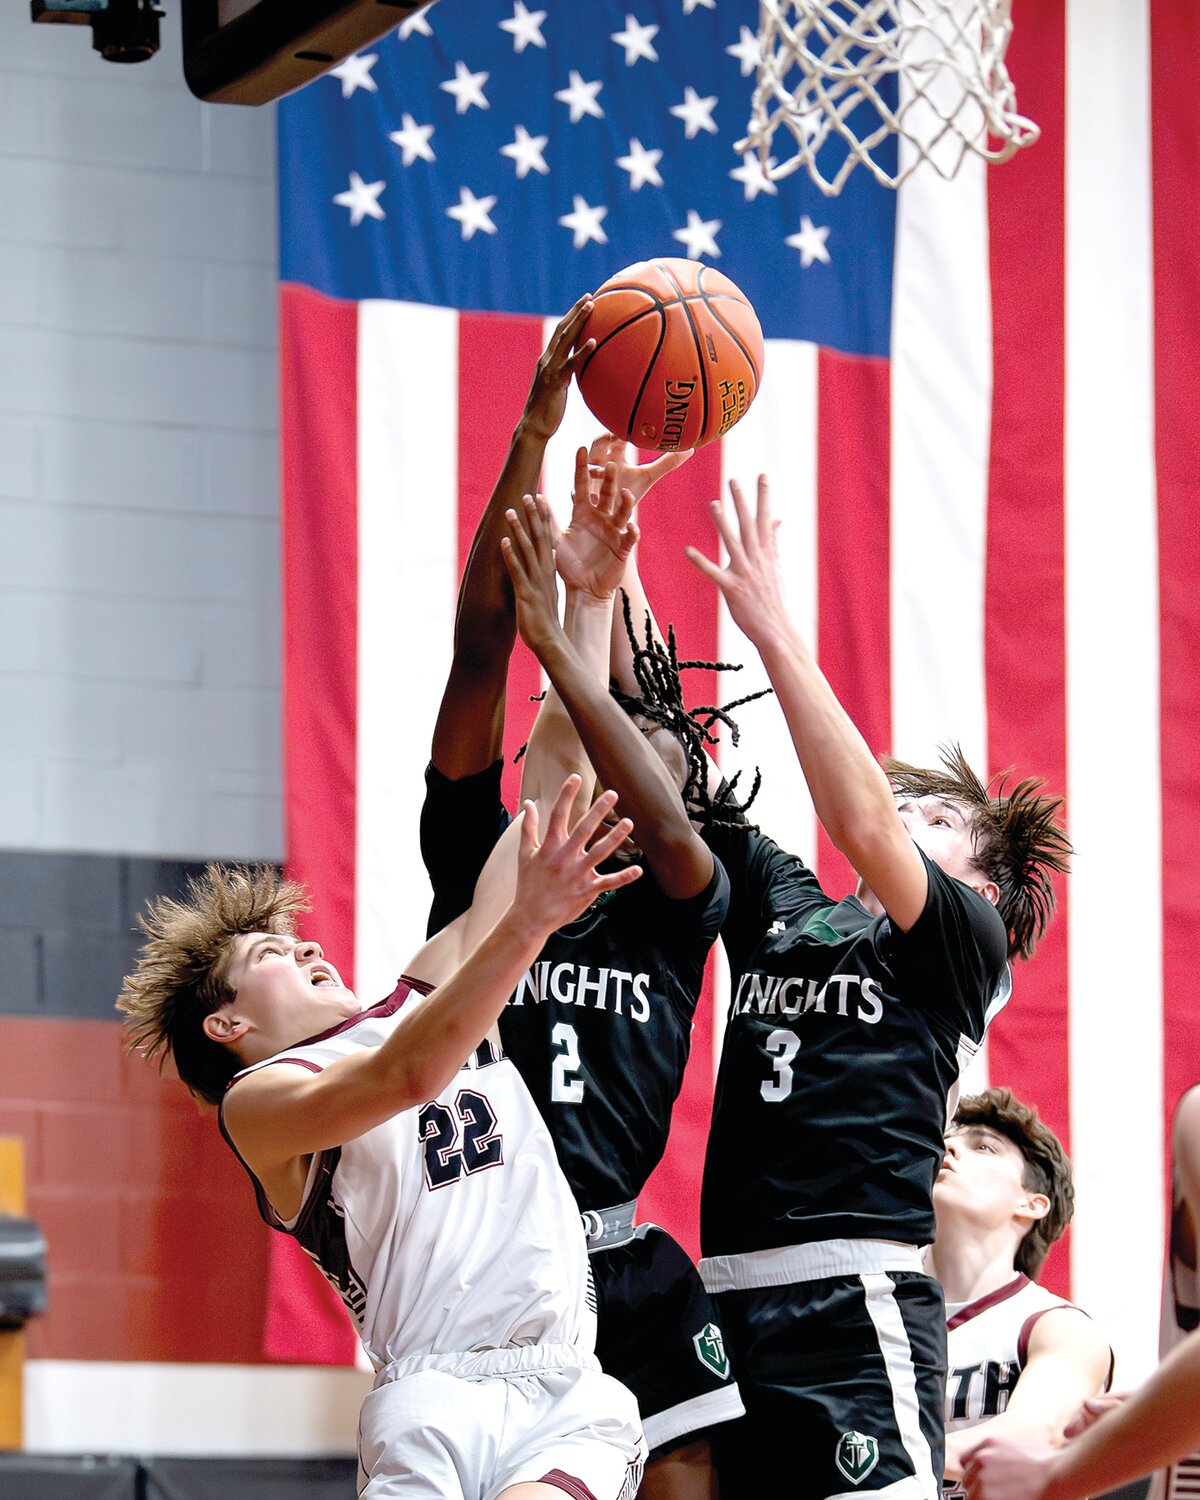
<point>941,828</point>
<point>981,1179</point>
<point>671,753</point>
<point>286,989</point>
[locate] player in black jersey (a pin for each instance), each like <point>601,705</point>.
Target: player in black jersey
<point>849,1024</point>
<point>848,1027</point>
<point>600,1028</point>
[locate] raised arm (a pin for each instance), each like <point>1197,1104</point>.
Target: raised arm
<point>468,735</point>
<point>279,1115</point>
<point>850,792</point>
<point>1068,1360</point>
<point>675,854</point>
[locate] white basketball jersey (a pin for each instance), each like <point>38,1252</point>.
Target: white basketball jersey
<point>450,1227</point>
<point>1180,1315</point>
<point>987,1344</point>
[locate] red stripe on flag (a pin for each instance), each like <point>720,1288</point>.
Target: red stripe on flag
<point>496,358</point>
<point>318,350</point>
<point>678,516</point>
<point>1025,628</point>
<point>853,642</point>
<point>1175,46</point>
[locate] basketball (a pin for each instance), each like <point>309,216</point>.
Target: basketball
<point>678,357</point>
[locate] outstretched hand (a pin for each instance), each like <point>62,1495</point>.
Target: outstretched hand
<point>557,876</point>
<point>637,478</point>
<point>528,552</point>
<point>592,552</point>
<point>547,399</point>
<point>750,580</point>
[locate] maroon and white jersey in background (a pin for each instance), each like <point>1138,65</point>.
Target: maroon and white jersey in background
<point>987,1345</point>
<point>1180,1316</point>
<point>448,1228</point>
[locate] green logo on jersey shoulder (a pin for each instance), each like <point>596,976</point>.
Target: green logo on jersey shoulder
<point>820,930</point>
<point>710,1350</point>
<point>856,1455</point>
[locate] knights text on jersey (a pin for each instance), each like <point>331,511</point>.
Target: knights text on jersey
<point>448,1228</point>
<point>844,1040</point>
<point>600,1028</point>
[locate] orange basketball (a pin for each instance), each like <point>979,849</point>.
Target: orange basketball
<point>678,358</point>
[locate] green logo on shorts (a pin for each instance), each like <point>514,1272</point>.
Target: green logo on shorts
<point>710,1350</point>
<point>856,1455</point>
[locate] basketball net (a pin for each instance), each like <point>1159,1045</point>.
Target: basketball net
<point>857,73</point>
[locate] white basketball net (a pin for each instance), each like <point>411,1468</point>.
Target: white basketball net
<point>824,63</point>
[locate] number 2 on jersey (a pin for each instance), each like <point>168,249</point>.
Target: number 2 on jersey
<point>781,1046</point>
<point>566,1087</point>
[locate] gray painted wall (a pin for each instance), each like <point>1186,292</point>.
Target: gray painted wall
<point>139,531</point>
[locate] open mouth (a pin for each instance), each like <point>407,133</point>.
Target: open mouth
<point>323,978</point>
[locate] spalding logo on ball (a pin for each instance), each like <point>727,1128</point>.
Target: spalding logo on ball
<point>678,357</point>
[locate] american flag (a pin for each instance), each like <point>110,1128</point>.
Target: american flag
<point>979,419</point>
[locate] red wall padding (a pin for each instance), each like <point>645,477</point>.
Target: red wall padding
<point>156,1251</point>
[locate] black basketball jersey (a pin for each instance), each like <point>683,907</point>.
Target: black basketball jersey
<point>844,1039</point>
<point>600,1027</point>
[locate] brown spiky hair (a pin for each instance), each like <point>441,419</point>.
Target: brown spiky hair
<point>1018,839</point>
<point>1047,1167</point>
<point>180,977</point>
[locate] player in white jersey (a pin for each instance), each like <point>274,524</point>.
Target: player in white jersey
<point>1157,1428</point>
<point>1020,1360</point>
<point>404,1152</point>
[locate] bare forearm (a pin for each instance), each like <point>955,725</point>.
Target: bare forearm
<point>555,749</point>
<point>851,794</point>
<point>1159,1423</point>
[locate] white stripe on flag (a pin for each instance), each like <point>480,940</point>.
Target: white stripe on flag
<point>1112,684</point>
<point>408,575</point>
<point>941,433</point>
<point>777,437</point>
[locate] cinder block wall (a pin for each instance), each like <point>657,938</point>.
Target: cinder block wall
<point>139,653</point>
<point>139,579</point>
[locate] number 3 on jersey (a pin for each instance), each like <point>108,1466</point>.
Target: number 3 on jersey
<point>781,1047</point>
<point>566,1086</point>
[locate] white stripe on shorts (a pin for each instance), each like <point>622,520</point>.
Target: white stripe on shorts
<point>884,1312</point>
<point>694,1415</point>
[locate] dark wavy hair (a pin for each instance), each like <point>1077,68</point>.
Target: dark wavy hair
<point>1047,1167</point>
<point>1018,839</point>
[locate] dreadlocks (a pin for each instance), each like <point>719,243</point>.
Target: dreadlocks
<point>657,669</point>
<point>1018,841</point>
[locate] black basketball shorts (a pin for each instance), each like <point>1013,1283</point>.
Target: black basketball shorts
<point>843,1380</point>
<point>658,1334</point>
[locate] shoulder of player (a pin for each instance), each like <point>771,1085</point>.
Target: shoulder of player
<point>1063,1331</point>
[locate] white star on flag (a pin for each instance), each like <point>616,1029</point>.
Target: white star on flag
<point>526,152</point>
<point>525,27</point>
<point>355,73</point>
<point>699,236</point>
<point>753,177</point>
<point>581,97</point>
<point>696,113</point>
<point>418,21</point>
<point>467,88</point>
<point>362,199</point>
<point>810,241</point>
<point>747,50</point>
<point>413,140</point>
<point>584,222</point>
<point>690,5</point>
<point>473,213</point>
<point>637,41</point>
<point>642,165</point>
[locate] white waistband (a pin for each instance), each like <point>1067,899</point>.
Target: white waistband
<point>525,1359</point>
<point>811,1262</point>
